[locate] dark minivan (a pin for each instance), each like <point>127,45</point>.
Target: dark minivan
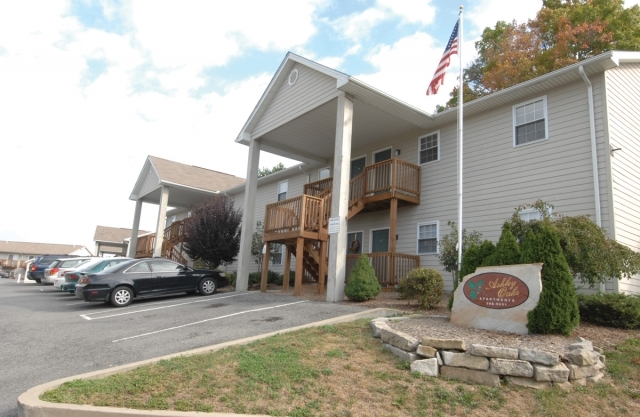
<point>36,272</point>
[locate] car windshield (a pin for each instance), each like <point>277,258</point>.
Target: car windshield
<point>92,266</point>
<point>71,263</point>
<point>54,264</point>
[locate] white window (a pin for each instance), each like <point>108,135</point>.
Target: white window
<point>277,258</point>
<point>324,173</point>
<point>429,148</point>
<point>530,122</point>
<point>283,187</point>
<point>531,214</point>
<point>428,237</point>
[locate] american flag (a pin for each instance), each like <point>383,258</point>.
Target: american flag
<point>451,49</point>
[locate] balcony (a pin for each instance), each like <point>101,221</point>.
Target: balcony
<point>6,263</point>
<point>144,246</point>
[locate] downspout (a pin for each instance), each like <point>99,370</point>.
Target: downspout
<point>594,151</point>
<point>308,176</point>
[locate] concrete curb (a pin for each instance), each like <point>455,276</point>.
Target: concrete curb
<point>30,405</point>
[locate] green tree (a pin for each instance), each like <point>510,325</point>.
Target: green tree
<point>557,311</point>
<point>507,250</point>
<point>212,233</point>
<point>448,255</point>
<point>257,245</point>
<point>266,171</point>
<point>475,256</point>
<point>363,284</point>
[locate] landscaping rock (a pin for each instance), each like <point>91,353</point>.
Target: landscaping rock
<point>468,375</point>
<point>527,382</point>
<point>582,357</point>
<point>581,372</point>
<point>582,343</point>
<point>556,373</point>
<point>596,378</point>
<point>599,350</point>
<point>493,351</point>
<point>377,325</point>
<point>602,359</point>
<point>538,356</point>
<point>462,360</point>
<point>405,356</point>
<point>511,367</point>
<point>439,358</point>
<point>579,382</point>
<point>399,339</point>
<point>563,385</point>
<point>600,366</point>
<point>448,344</point>
<point>426,351</point>
<point>427,367</point>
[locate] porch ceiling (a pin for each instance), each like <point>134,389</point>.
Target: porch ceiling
<point>311,137</point>
<point>178,196</point>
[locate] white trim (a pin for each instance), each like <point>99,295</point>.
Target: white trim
<point>437,132</point>
<point>546,120</point>
<point>322,169</point>
<point>373,154</point>
<point>371,237</point>
<point>437,223</point>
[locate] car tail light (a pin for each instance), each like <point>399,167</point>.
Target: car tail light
<point>34,268</point>
<point>54,271</point>
<point>83,280</point>
<point>71,277</point>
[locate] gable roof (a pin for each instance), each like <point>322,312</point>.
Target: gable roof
<point>113,234</point>
<point>184,176</point>
<point>31,248</point>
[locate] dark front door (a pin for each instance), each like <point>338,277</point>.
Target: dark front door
<point>380,241</point>
<point>382,156</point>
<point>357,166</point>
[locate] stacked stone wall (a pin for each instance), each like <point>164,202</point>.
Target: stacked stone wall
<point>580,364</point>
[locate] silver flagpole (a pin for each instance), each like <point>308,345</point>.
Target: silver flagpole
<point>460,130</point>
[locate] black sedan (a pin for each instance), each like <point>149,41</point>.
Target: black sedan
<point>147,277</point>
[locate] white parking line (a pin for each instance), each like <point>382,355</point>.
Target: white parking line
<point>84,316</point>
<point>206,320</point>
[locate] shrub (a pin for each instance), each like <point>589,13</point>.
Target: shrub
<point>273,277</point>
<point>557,310</point>
<point>612,310</point>
<point>475,256</point>
<point>423,284</point>
<point>507,251</point>
<point>232,276</point>
<point>363,284</point>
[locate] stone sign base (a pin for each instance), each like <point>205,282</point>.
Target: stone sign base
<point>498,298</point>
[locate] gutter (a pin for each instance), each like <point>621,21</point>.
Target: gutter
<point>594,151</point>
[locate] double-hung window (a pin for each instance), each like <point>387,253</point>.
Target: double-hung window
<point>283,188</point>
<point>428,238</point>
<point>277,254</point>
<point>530,122</point>
<point>429,148</point>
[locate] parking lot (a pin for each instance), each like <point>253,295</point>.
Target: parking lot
<point>47,334</point>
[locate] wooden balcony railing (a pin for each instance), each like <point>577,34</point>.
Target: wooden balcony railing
<point>390,267</point>
<point>390,176</point>
<point>318,188</point>
<point>144,246</point>
<point>6,263</point>
<point>296,215</point>
<point>175,233</point>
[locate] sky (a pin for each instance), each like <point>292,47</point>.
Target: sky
<point>89,88</point>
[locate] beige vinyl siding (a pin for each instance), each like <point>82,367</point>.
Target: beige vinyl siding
<point>311,89</point>
<point>150,183</point>
<point>623,96</point>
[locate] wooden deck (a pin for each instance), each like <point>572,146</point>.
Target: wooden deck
<point>144,246</point>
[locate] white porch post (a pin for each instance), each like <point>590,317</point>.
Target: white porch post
<point>162,214</point>
<point>131,252</point>
<point>248,216</point>
<point>340,199</point>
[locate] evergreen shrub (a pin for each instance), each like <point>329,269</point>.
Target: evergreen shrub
<point>507,250</point>
<point>611,310</point>
<point>475,256</point>
<point>557,311</point>
<point>423,284</point>
<point>363,284</point>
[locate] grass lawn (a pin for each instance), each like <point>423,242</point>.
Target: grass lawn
<point>342,371</point>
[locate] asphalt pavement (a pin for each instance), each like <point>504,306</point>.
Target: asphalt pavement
<point>46,334</point>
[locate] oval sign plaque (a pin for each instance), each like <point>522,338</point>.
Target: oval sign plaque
<point>496,290</point>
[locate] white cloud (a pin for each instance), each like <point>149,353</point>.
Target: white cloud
<point>413,11</point>
<point>358,25</point>
<point>334,62</point>
<point>485,13</point>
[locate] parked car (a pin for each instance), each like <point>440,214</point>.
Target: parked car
<point>60,266</point>
<point>140,278</point>
<point>70,279</point>
<point>36,272</point>
<point>4,274</point>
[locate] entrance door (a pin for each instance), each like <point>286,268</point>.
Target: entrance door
<point>380,240</point>
<point>357,166</point>
<point>382,155</point>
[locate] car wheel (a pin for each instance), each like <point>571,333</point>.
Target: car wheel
<point>121,296</point>
<point>38,281</point>
<point>207,286</point>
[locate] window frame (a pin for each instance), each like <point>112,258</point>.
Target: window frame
<point>328,168</point>
<point>430,223</point>
<point>281,252</point>
<point>371,238</point>
<point>514,125</point>
<point>286,193</point>
<point>437,133</point>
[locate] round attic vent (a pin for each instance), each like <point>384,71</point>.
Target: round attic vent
<point>293,77</point>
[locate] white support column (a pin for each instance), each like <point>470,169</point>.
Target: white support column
<point>248,216</point>
<point>131,252</point>
<point>340,199</point>
<point>162,214</point>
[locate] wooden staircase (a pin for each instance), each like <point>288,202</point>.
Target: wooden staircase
<point>173,242</point>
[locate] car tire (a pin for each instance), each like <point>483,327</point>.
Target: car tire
<point>37,280</point>
<point>207,286</point>
<point>121,296</point>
